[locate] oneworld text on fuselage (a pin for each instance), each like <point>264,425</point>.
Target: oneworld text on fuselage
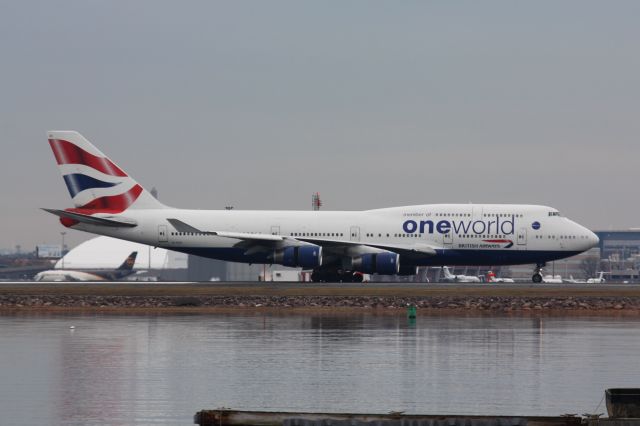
<point>505,226</point>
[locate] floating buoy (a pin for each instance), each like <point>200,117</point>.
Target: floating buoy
<point>72,327</point>
<point>411,311</point>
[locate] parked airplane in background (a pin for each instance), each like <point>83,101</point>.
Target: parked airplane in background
<point>388,241</point>
<point>598,280</point>
<point>450,278</point>
<point>552,279</point>
<point>491,278</point>
<point>89,274</point>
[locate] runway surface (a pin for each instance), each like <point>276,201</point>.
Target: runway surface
<point>318,289</point>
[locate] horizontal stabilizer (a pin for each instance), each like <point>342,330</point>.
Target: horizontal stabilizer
<point>94,220</point>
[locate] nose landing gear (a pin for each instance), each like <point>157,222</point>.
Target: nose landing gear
<point>537,273</point>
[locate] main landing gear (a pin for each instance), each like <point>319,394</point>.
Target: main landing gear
<point>537,273</point>
<point>336,276</point>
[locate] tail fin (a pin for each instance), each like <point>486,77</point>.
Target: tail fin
<point>95,183</point>
<point>127,265</point>
<point>447,273</point>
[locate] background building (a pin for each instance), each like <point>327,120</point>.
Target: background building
<point>620,254</point>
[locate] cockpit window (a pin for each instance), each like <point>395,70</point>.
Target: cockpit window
<point>554,213</point>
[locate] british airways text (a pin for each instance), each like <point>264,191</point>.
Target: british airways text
<point>504,226</point>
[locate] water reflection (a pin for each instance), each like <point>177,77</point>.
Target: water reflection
<point>124,369</point>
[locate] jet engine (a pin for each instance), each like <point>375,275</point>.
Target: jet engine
<point>307,257</point>
<point>386,263</point>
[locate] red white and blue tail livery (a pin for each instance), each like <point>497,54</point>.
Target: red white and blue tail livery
<point>336,245</point>
<point>94,182</point>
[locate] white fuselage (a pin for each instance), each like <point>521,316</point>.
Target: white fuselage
<point>67,275</point>
<point>460,234</point>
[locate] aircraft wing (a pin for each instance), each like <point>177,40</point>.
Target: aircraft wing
<point>257,242</point>
<point>343,247</point>
<point>180,226</point>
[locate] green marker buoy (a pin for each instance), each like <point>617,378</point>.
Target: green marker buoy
<point>411,311</point>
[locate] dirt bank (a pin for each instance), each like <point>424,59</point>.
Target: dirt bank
<point>611,304</point>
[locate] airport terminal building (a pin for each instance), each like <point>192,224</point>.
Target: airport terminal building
<point>620,254</point>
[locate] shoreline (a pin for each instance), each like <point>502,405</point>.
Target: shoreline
<point>451,305</point>
<point>252,311</point>
<point>378,299</point>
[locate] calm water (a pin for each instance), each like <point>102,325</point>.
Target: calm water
<point>122,369</point>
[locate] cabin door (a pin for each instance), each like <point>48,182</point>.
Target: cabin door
<point>476,212</point>
<point>522,237</point>
<point>355,233</point>
<point>447,238</point>
<point>163,235</point>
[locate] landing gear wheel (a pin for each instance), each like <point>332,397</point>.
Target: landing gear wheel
<point>357,277</point>
<point>537,273</point>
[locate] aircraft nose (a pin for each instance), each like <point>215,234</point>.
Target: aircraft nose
<point>592,239</point>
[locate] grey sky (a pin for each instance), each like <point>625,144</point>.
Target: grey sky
<point>374,104</point>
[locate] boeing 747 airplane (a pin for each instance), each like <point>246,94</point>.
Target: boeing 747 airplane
<point>389,241</point>
<point>96,274</point>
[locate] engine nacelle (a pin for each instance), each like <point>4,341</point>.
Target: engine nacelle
<point>378,263</point>
<point>408,270</point>
<point>307,257</point>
